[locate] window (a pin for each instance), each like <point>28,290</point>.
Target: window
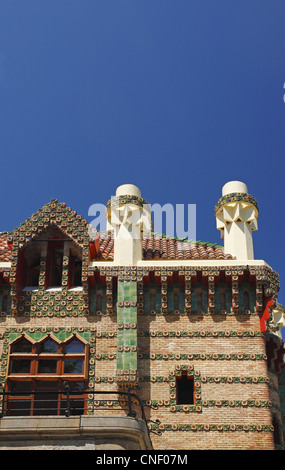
<point>223,299</point>
<point>152,298</point>
<point>4,299</point>
<point>99,301</point>
<point>29,265</point>
<point>176,298</point>
<point>184,389</point>
<point>74,270</point>
<point>38,373</point>
<point>175,295</point>
<point>199,300</point>
<point>98,296</point>
<point>54,264</point>
<point>246,300</point>
<point>247,291</point>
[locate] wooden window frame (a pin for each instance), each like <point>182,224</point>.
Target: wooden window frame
<point>34,379</point>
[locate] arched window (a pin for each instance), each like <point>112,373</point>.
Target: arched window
<point>38,373</point>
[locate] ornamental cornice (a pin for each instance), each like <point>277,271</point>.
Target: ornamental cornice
<point>213,427</point>
<point>117,201</point>
<point>235,197</point>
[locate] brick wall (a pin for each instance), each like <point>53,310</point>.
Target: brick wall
<point>226,355</point>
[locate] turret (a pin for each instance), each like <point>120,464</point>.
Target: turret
<point>236,217</point>
<point>127,217</point>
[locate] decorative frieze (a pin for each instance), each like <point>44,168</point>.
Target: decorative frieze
<point>212,427</point>
<point>200,334</point>
<point>203,357</point>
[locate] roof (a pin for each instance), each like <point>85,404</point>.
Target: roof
<point>161,247</point>
<point>154,248</point>
<point>5,252</point>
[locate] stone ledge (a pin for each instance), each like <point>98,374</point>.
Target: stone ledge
<point>110,428</point>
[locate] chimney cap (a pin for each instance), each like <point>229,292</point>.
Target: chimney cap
<point>128,190</point>
<point>234,187</point>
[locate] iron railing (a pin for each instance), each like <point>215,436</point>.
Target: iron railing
<point>70,403</point>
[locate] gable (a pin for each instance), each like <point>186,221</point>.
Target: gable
<point>53,222</point>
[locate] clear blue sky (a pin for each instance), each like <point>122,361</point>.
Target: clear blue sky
<point>177,97</point>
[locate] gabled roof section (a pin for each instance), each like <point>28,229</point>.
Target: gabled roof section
<point>53,213</point>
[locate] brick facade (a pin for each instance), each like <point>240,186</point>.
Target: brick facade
<point>222,344</point>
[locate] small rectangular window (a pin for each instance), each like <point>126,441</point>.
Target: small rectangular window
<point>184,390</point>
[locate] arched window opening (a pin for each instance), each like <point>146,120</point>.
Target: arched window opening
<point>48,346</point>
<point>21,346</point>
<point>74,346</point>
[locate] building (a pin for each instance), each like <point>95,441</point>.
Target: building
<point>119,340</point>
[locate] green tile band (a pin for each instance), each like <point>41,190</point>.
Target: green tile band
<point>127,330</point>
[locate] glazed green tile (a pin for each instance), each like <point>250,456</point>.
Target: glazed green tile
<point>127,292</point>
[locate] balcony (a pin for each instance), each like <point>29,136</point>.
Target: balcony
<point>101,420</point>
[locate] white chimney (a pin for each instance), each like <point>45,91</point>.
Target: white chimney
<point>236,218</point>
<point>127,215</point>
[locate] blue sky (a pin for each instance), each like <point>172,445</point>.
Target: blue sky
<point>176,97</point>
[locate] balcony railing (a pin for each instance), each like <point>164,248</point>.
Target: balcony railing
<point>69,403</point>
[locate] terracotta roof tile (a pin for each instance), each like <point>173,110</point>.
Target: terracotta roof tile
<point>5,252</point>
<point>155,247</point>
<point>160,247</point>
